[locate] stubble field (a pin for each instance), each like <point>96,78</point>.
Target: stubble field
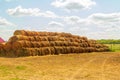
<point>88,66</point>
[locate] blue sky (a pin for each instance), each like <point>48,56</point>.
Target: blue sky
<point>95,19</point>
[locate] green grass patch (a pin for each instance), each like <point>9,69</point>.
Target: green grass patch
<point>16,79</point>
<point>4,70</point>
<point>114,47</point>
<point>20,67</point>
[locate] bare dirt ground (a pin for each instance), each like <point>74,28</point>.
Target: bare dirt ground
<point>88,66</point>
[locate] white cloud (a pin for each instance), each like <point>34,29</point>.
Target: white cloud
<point>97,25</point>
<point>53,23</point>
<point>73,4</point>
<point>97,19</point>
<point>11,0</point>
<point>104,35</point>
<point>4,22</point>
<point>55,26</point>
<point>111,19</point>
<point>19,11</point>
<point>74,20</point>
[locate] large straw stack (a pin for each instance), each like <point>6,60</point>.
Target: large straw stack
<point>31,43</point>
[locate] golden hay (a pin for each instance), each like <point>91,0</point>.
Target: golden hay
<point>52,38</point>
<point>52,50</point>
<point>32,43</point>
<point>18,44</point>
<point>2,49</point>
<point>61,39</point>
<point>66,43</point>
<point>69,50</point>
<point>45,44</point>
<point>52,43</point>
<point>58,43</point>
<point>8,46</point>
<point>20,32</point>
<point>81,50</point>
<point>58,50</point>
<point>65,34</point>
<point>46,51</point>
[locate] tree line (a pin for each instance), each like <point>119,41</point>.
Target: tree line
<point>109,41</point>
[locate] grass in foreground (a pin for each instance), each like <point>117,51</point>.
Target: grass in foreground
<point>89,66</point>
<point>114,47</point>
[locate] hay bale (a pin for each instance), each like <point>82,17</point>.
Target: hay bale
<point>46,50</point>
<point>81,50</point>
<point>20,32</point>
<point>52,38</point>
<point>2,49</point>
<point>64,50</point>
<point>92,41</point>
<point>72,40</point>
<point>52,33</point>
<point>52,50</point>
<point>61,39</point>
<point>73,50</point>
<point>22,52</point>
<point>21,37</point>
<point>68,50</point>
<point>21,44</point>
<point>84,38</point>
<point>52,43</point>
<point>36,38</point>
<point>65,34</point>
<point>58,43</point>
<point>77,40</point>
<point>44,38</point>
<point>45,44</point>
<point>27,52</point>
<point>74,44</point>
<point>76,49</point>
<point>58,50</point>
<point>66,43</point>
<point>90,49</point>
<point>17,45</point>
<point>98,45</point>
<point>7,46</point>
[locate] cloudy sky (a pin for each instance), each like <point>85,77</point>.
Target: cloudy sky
<point>95,19</point>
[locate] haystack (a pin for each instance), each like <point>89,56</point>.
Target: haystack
<point>32,43</point>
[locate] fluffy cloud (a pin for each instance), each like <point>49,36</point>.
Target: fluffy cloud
<point>98,19</point>
<point>4,22</point>
<point>53,23</point>
<point>112,19</point>
<point>11,0</point>
<point>73,4</point>
<point>19,11</point>
<point>100,25</point>
<point>74,20</point>
<point>55,26</point>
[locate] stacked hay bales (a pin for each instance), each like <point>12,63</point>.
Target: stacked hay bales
<point>2,49</point>
<point>31,43</point>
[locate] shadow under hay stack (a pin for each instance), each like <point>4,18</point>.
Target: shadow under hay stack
<point>31,43</point>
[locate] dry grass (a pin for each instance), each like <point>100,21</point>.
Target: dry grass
<point>94,66</point>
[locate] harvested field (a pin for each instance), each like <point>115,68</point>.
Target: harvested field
<point>94,66</point>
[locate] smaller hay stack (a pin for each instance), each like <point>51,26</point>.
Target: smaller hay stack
<point>2,49</point>
<point>31,43</point>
